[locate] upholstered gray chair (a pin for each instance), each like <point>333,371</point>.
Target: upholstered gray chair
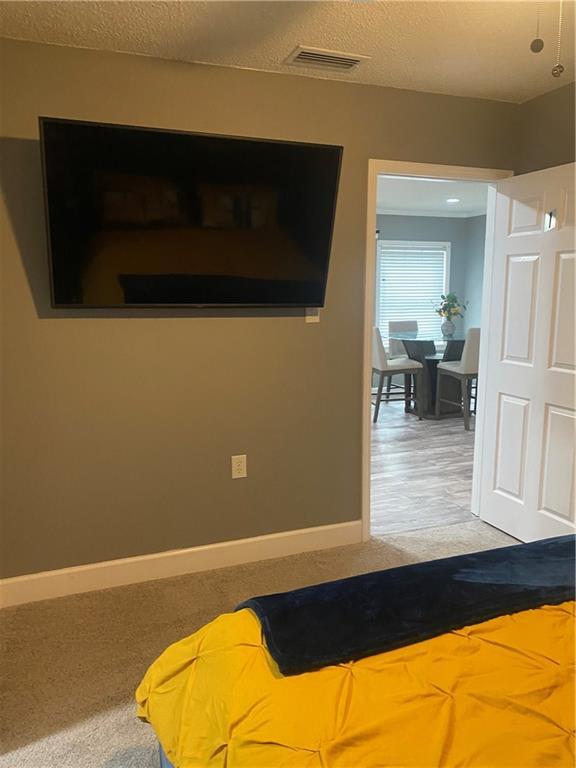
<point>465,370</point>
<point>384,367</point>
<point>396,348</point>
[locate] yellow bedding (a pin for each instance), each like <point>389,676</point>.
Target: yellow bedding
<point>499,693</point>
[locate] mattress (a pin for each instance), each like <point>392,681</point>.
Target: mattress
<point>496,693</point>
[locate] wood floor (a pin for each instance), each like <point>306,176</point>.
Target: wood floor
<point>421,472</point>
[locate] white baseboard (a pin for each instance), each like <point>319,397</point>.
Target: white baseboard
<point>176,562</point>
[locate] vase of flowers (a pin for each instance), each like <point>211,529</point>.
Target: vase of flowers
<point>449,308</point>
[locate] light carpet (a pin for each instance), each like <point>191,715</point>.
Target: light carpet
<point>70,666</point>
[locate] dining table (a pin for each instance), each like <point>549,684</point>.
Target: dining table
<point>422,347</point>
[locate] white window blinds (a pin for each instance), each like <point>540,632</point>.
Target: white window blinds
<point>410,278</point>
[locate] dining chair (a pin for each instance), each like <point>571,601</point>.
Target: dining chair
<point>395,346</point>
<point>385,367</point>
<point>465,370</point>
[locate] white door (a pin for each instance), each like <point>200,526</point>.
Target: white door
<point>528,432</point>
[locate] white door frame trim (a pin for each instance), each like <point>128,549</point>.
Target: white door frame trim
<point>425,170</point>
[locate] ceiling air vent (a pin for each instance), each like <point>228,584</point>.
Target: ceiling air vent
<point>322,59</point>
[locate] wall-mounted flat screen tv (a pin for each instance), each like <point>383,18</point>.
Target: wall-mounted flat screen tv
<point>139,217</point>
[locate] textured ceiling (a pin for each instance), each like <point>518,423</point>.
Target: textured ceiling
<point>417,197</point>
<point>472,48</point>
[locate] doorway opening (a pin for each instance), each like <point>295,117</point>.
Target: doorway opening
<point>430,242</point>
<point>423,327</point>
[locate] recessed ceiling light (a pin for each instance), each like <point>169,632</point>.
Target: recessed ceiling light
<point>453,200</point>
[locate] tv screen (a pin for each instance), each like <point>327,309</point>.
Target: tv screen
<point>142,217</point>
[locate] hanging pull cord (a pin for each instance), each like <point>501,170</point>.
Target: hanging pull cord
<point>557,69</point>
<point>537,43</point>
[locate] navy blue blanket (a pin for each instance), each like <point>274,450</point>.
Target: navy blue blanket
<point>351,618</point>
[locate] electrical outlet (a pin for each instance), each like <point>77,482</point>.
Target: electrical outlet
<point>312,315</point>
<point>239,467</point>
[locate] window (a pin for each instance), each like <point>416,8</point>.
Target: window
<point>410,277</point>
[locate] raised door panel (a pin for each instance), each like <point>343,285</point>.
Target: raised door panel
<point>519,309</point>
<point>525,216</point>
<point>563,342</point>
<point>511,436</point>
<point>558,457</point>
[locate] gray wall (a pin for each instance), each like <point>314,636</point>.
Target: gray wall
<point>474,269</point>
<point>545,130</point>
<point>466,236</point>
<point>118,431</point>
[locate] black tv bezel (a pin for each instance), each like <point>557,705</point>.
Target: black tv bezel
<point>44,120</point>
